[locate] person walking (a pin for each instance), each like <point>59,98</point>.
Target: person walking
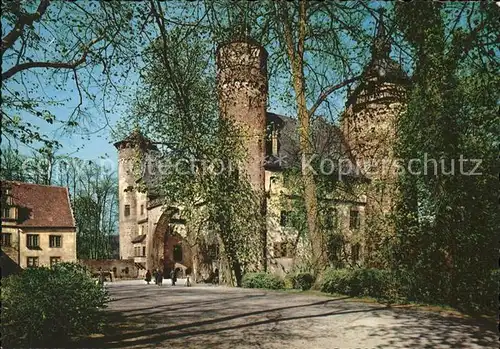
<point>160,278</point>
<point>155,276</point>
<point>101,277</point>
<point>188,275</point>
<point>148,276</point>
<point>216,276</point>
<point>173,276</point>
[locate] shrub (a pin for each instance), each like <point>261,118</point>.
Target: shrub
<point>303,281</point>
<point>289,281</point>
<point>359,282</point>
<point>49,306</point>
<point>262,280</point>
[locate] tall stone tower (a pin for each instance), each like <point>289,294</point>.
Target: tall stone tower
<point>242,88</point>
<point>369,122</point>
<point>369,126</point>
<point>131,151</point>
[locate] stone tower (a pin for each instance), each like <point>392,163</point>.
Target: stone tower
<point>369,122</point>
<point>369,127</point>
<point>130,152</point>
<point>242,88</point>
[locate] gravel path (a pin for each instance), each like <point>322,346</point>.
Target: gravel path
<point>148,316</point>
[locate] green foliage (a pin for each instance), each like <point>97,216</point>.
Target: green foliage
<point>302,281</point>
<point>358,282</point>
<point>262,280</point>
<point>50,306</point>
<point>202,152</point>
<point>446,224</point>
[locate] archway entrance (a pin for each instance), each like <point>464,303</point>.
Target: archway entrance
<point>168,247</point>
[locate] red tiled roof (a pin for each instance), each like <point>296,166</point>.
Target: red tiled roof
<point>41,205</point>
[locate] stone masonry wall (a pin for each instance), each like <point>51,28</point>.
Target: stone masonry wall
<point>127,196</point>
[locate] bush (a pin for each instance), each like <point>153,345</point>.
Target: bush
<point>262,280</point>
<point>46,307</point>
<point>303,281</point>
<point>359,282</point>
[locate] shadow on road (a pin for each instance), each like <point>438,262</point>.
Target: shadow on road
<point>205,318</point>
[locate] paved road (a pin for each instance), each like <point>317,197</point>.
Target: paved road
<point>148,316</point>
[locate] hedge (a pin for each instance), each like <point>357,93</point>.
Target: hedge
<point>359,282</point>
<point>262,280</point>
<point>300,281</point>
<point>48,307</point>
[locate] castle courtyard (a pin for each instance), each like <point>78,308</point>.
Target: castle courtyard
<point>148,316</point>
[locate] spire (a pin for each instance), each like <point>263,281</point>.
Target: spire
<point>382,44</point>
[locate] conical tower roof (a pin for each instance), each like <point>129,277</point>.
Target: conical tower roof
<point>381,68</point>
<point>135,139</point>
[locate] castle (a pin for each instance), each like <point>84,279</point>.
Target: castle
<point>153,235</point>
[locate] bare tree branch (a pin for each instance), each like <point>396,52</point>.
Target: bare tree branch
<point>329,90</point>
<point>22,21</point>
<point>58,65</point>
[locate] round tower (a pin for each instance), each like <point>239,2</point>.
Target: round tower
<point>369,127</point>
<point>130,152</point>
<point>242,90</point>
<point>369,121</point>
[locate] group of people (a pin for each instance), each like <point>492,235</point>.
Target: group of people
<point>158,277</point>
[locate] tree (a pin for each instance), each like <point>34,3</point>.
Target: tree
<point>55,47</point>
<point>196,145</point>
<point>439,237</point>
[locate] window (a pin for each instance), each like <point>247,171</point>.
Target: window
<point>284,218</point>
<point>54,260</point>
<point>55,241</point>
<point>142,209</point>
<point>32,241</point>
<point>178,253</point>
<point>32,262</point>
<point>6,239</point>
<point>354,219</point>
<point>6,212</point>
<point>127,210</point>
<point>144,250</point>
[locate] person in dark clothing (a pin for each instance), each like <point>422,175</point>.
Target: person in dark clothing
<point>160,278</point>
<point>216,276</point>
<point>101,277</point>
<point>155,276</point>
<point>148,277</point>
<point>173,276</point>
